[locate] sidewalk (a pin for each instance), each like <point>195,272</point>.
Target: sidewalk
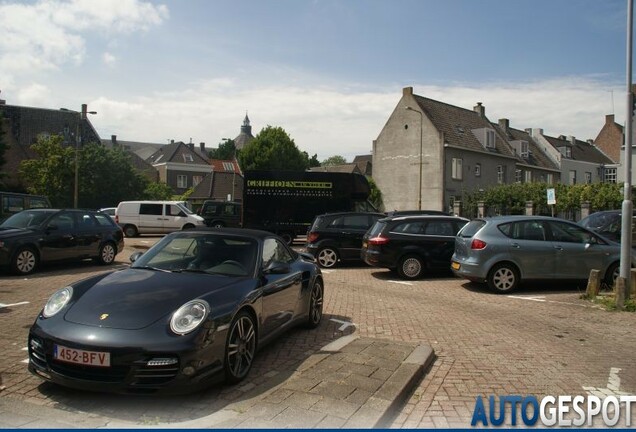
<point>351,383</point>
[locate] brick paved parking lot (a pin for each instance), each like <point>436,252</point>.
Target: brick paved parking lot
<point>543,340</point>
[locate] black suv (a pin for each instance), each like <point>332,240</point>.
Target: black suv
<point>33,236</point>
<point>219,214</point>
<point>337,237</point>
<point>412,244</point>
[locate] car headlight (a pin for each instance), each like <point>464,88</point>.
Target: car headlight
<point>57,301</point>
<point>189,316</point>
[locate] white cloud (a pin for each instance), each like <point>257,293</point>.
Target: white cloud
<point>35,95</point>
<point>49,33</point>
<point>329,121</point>
<point>109,59</point>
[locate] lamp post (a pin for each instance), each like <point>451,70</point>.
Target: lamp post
<point>419,197</point>
<point>233,167</point>
<point>78,140</point>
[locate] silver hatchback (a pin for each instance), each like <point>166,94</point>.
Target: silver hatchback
<point>504,250</point>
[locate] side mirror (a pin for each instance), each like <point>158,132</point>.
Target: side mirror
<point>307,256</point>
<point>277,267</point>
<point>134,257</point>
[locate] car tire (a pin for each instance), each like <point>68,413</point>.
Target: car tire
<point>503,278</point>
<point>187,227</point>
<point>218,225</point>
<point>410,267</point>
<point>327,257</point>
<point>131,231</point>
<point>613,271</point>
<point>240,347</point>
<point>107,253</point>
<point>316,296</point>
<point>24,261</point>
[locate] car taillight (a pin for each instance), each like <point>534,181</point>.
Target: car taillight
<point>477,244</point>
<point>378,241</point>
<point>116,218</point>
<point>312,237</point>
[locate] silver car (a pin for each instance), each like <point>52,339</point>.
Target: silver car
<point>504,250</point>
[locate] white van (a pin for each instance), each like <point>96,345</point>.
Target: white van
<point>155,217</point>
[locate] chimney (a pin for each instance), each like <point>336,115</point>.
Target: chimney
<point>190,146</point>
<point>572,140</point>
<point>504,124</point>
<point>480,109</point>
<point>609,119</point>
<point>536,132</point>
<point>407,91</point>
<point>113,139</point>
<point>202,146</point>
<point>171,141</point>
<point>84,110</point>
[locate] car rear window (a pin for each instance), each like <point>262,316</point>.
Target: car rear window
<point>471,228</point>
<point>376,229</point>
<point>319,222</point>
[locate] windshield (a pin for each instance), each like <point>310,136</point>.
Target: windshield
<point>26,219</point>
<point>210,253</point>
<point>184,208</point>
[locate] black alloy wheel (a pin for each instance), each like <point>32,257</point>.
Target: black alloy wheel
<point>240,348</point>
<point>315,305</point>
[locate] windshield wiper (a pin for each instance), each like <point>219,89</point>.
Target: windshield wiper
<point>189,270</point>
<point>151,268</point>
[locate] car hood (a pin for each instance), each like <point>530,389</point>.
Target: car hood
<point>136,298</point>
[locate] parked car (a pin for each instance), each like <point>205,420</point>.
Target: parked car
<point>609,224</point>
<point>34,236</point>
<point>155,217</point>
<point>192,309</point>
<point>13,202</point>
<point>412,245</point>
<point>416,212</point>
<point>505,250</point>
<point>337,237</point>
<point>110,211</point>
<point>221,214</point>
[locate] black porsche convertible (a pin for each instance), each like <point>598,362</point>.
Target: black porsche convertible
<point>190,311</point>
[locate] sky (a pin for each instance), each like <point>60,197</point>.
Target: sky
<point>329,72</point>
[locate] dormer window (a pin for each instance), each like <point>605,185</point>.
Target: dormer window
<point>568,152</point>
<point>187,157</point>
<point>228,166</point>
<point>490,138</point>
<point>524,149</point>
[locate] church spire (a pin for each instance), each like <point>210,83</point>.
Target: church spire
<point>247,128</point>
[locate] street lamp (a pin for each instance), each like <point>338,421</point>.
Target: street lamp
<point>78,139</point>
<point>419,199</point>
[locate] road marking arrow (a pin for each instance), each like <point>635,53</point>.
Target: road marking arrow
<point>344,325</point>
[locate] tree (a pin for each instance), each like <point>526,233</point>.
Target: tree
<point>3,147</point>
<point>106,176</point>
<point>52,173</point>
<point>375,195</point>
<point>225,151</point>
<point>158,191</point>
<point>313,161</point>
<point>334,160</point>
<point>273,149</point>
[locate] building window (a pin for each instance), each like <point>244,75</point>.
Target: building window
<point>528,176</point>
<point>610,175</point>
<point>588,178</point>
<point>549,178</point>
<point>572,177</point>
<point>456,170</point>
<point>517,176</point>
<point>500,174</point>
<point>524,149</point>
<point>490,138</point>
<point>568,152</point>
<point>228,166</point>
<point>196,180</point>
<point>187,157</point>
<point>182,182</point>
<point>477,170</point>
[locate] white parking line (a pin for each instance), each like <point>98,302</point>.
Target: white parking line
<point>401,282</point>
<point>531,298</point>
<point>2,305</point>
